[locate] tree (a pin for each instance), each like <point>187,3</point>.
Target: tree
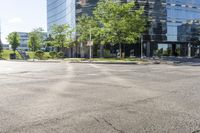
<point>120,22</point>
<point>49,40</point>
<point>14,40</point>
<point>36,38</point>
<point>86,28</point>
<point>61,36</point>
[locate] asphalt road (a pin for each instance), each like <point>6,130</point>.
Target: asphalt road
<point>91,98</point>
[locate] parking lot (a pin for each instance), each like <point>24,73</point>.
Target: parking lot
<point>39,97</point>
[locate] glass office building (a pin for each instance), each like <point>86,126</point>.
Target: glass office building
<point>167,19</point>
<point>23,41</point>
<point>61,12</point>
<point>180,12</point>
<point>85,6</point>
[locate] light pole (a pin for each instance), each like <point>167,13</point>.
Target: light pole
<point>90,44</point>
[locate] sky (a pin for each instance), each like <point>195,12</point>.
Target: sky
<point>22,16</point>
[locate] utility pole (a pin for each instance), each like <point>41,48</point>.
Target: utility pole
<point>90,44</point>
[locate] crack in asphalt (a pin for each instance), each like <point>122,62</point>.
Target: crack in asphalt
<point>96,119</point>
<point>156,97</point>
<point>112,126</point>
<point>109,124</point>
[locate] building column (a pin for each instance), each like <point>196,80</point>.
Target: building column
<point>141,47</point>
<point>173,49</point>
<point>189,50</point>
<point>148,46</point>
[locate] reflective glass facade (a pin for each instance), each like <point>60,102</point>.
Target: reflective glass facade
<point>156,12</point>
<point>85,6</point>
<point>23,41</point>
<point>61,12</point>
<point>168,20</point>
<point>167,15</point>
<point>180,12</point>
<point>173,24</point>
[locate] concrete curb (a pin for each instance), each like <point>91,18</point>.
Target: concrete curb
<point>98,62</point>
<point>123,63</point>
<point>36,61</point>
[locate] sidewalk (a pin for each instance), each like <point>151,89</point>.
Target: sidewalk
<point>178,61</point>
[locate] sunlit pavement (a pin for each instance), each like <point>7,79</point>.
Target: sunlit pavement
<point>93,98</point>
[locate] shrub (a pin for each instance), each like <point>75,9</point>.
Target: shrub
<point>53,54</point>
<point>39,54</point>
<point>60,54</point>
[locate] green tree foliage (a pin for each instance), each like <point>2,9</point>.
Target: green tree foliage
<point>49,40</point>
<point>36,38</point>
<point>120,22</point>
<point>61,36</point>
<point>14,40</point>
<point>87,26</point>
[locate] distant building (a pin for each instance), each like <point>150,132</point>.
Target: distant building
<point>61,12</point>
<point>6,46</point>
<point>23,41</point>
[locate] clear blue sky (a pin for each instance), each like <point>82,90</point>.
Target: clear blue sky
<point>22,15</point>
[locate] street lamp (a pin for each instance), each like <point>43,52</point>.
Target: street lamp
<point>90,44</point>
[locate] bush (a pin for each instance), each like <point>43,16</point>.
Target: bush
<point>39,54</point>
<point>12,56</point>
<point>1,54</point>
<point>1,50</point>
<point>60,54</point>
<point>53,54</point>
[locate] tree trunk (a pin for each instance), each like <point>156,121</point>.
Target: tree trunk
<point>58,49</point>
<point>101,51</point>
<point>120,50</point>
<point>124,53</point>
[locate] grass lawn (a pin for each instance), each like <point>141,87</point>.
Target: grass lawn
<point>117,59</point>
<point>6,54</point>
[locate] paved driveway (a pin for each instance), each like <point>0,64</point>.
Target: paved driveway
<point>91,98</point>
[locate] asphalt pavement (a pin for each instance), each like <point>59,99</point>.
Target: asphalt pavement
<point>41,97</point>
